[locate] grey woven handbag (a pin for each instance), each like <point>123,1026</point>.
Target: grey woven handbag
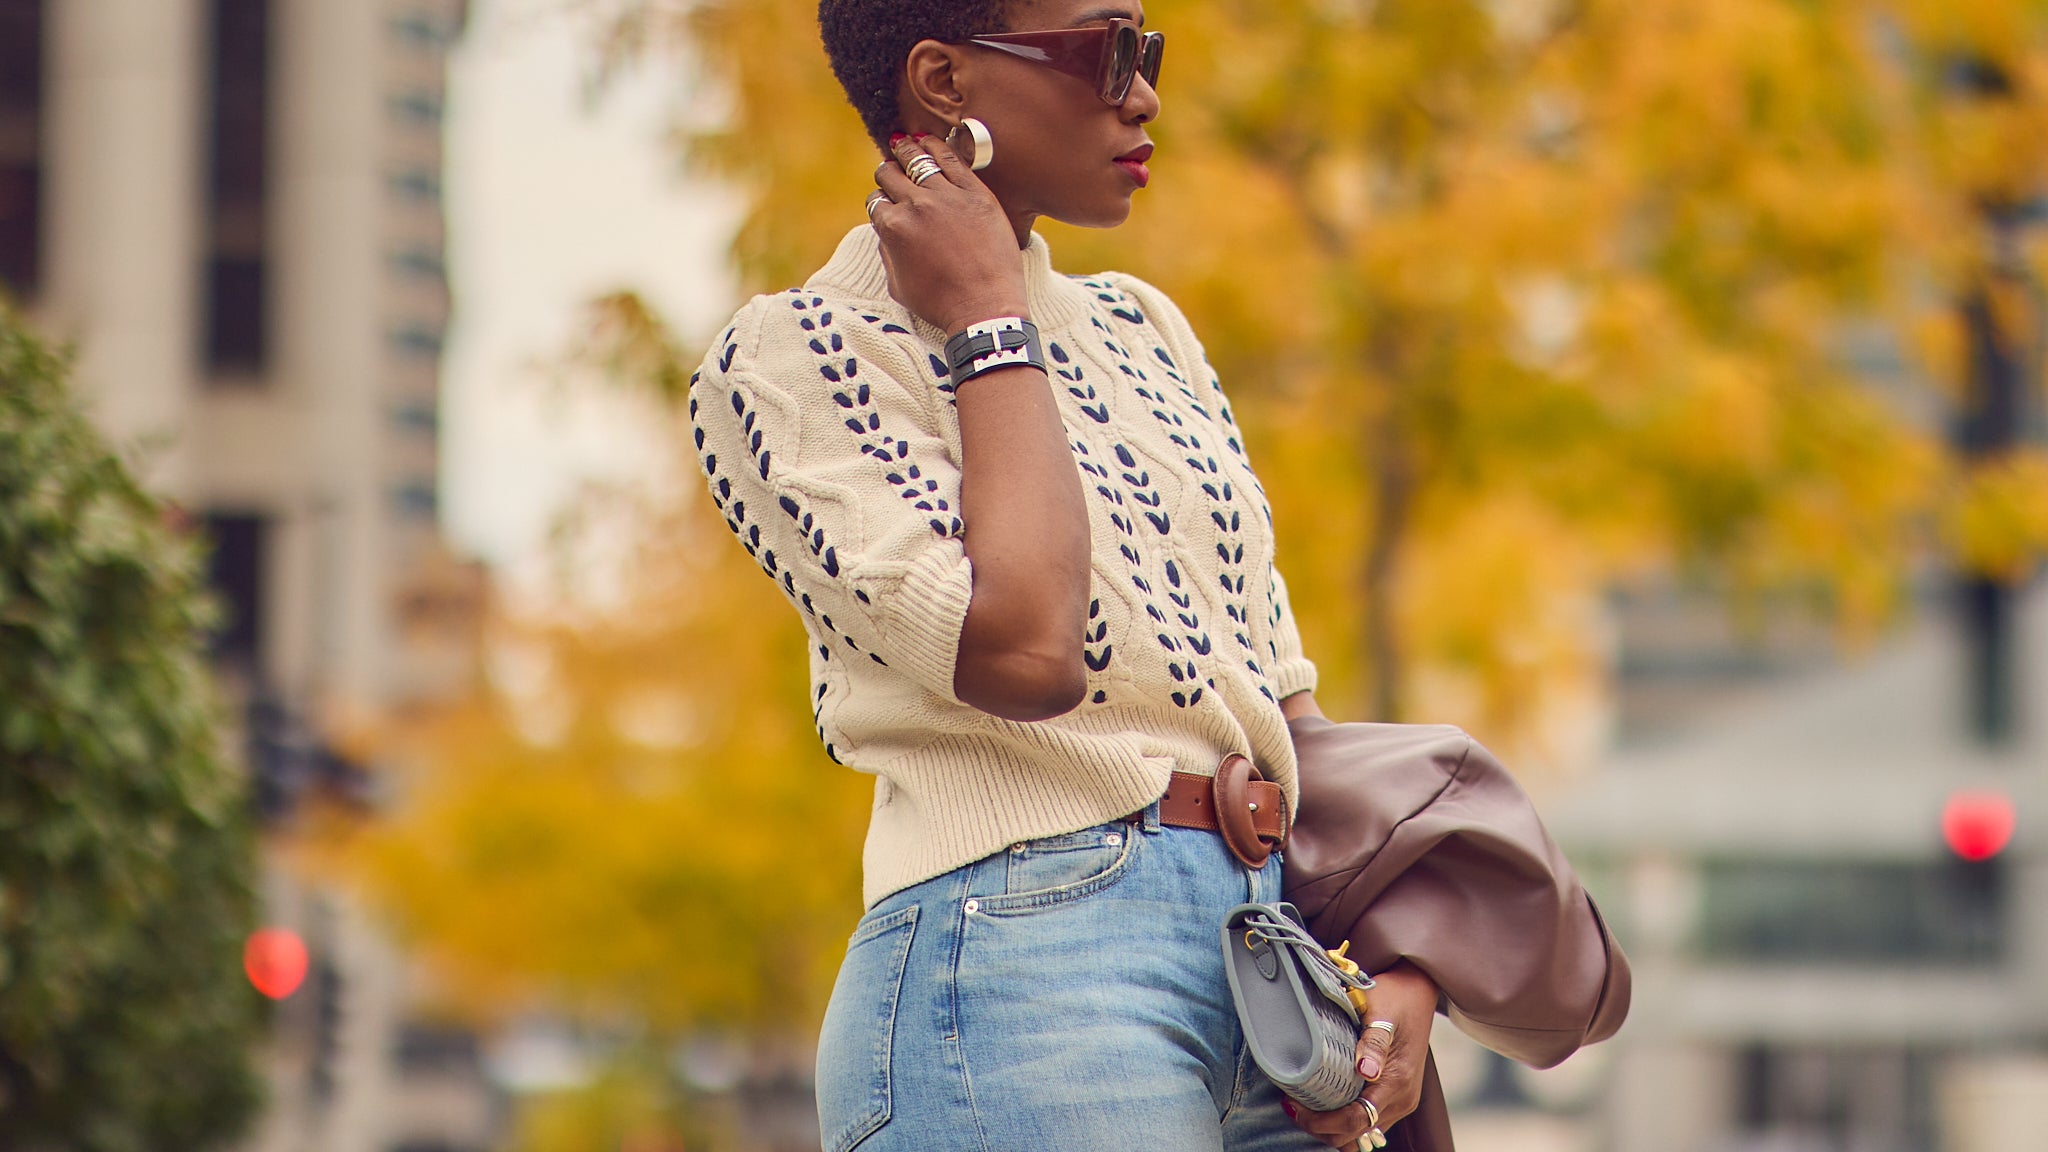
<point>1295,1005</point>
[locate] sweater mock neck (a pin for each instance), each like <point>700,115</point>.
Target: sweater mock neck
<point>856,269</point>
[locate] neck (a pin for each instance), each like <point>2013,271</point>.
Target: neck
<point>1022,223</point>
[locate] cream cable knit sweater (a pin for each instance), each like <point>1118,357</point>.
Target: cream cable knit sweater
<point>825,425</point>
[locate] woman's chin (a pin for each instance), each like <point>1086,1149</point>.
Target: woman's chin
<point>1107,214</point>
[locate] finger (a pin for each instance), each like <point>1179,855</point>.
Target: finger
<point>889,178</point>
<point>1386,1104</point>
<point>1374,1046</point>
<point>1384,1115</point>
<point>1342,1124</point>
<point>1339,1128</point>
<point>950,163</point>
<point>910,152</point>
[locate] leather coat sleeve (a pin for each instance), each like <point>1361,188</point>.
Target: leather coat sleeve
<point>1414,843</point>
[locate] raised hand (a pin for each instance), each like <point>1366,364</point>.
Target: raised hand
<point>949,248</point>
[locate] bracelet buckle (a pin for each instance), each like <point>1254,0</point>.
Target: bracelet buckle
<point>993,344</point>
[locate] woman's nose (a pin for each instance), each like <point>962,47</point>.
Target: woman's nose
<point>1141,103</point>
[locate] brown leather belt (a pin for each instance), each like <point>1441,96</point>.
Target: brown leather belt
<point>1249,812</point>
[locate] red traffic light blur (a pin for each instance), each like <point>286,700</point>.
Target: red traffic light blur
<point>1977,825</point>
<point>275,959</point>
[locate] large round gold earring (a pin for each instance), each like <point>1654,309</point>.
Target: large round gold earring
<point>971,142</point>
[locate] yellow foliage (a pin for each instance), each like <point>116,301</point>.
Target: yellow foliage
<point>1587,258</point>
<point>1516,301</point>
<point>627,1108</point>
<point>1998,520</point>
<point>633,813</point>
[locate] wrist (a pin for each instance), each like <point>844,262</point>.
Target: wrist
<point>987,345</point>
<point>967,314</point>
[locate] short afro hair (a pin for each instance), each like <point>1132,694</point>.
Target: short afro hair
<point>868,42</point>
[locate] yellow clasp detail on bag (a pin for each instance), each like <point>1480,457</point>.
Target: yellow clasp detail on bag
<point>1349,967</point>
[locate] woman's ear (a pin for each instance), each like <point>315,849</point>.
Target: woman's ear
<point>931,85</point>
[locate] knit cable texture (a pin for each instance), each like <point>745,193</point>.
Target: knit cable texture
<point>825,426</point>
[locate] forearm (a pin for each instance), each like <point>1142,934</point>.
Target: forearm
<point>1027,539</point>
<point>1300,704</point>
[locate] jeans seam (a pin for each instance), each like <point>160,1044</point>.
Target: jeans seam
<point>1025,903</point>
<point>880,1097</point>
<point>956,917</point>
<point>953,1043</point>
<point>1237,1086</point>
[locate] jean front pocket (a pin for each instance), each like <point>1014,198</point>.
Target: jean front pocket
<point>1056,869</point>
<point>854,1047</point>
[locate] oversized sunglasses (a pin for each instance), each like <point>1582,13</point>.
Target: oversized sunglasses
<point>1108,56</point>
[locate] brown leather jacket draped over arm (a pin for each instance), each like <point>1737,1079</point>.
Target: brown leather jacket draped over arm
<point>1413,842</point>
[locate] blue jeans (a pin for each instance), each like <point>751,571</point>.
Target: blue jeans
<point>1066,994</point>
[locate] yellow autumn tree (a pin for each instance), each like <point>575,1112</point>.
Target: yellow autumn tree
<point>1517,302</point>
<point>632,816</point>
<point>1522,300</point>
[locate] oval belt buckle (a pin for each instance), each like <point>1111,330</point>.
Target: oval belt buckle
<point>1234,813</point>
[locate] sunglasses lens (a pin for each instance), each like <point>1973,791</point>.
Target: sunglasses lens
<point>1123,50</point>
<point>1148,58</point>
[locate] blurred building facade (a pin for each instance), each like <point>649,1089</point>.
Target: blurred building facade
<point>1818,970</point>
<point>232,209</point>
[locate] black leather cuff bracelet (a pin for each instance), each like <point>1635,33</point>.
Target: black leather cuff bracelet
<point>993,344</point>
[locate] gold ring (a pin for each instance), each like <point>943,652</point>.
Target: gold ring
<point>1372,1112</point>
<point>1386,1026</point>
<point>921,169</point>
<point>876,199</point>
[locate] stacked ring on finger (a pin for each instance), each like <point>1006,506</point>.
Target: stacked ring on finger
<point>1373,1138</point>
<point>876,199</point>
<point>1386,1026</point>
<point>921,169</point>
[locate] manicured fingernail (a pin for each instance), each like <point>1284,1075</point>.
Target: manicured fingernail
<point>920,135</point>
<point>1369,1067</point>
<point>1287,1106</point>
<point>896,138</point>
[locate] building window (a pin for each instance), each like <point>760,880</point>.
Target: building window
<point>235,571</point>
<point>417,499</point>
<point>418,30</point>
<point>417,185</point>
<point>420,341</point>
<point>419,109</point>
<point>420,264</point>
<point>21,147</point>
<point>1872,912</point>
<point>237,283</point>
<point>235,313</point>
<point>419,416</point>
<point>1830,1097</point>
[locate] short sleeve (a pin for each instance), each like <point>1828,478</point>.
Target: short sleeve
<point>825,444</point>
<point>1288,671</point>
<point>1291,671</point>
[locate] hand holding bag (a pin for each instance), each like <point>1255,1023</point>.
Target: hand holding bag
<point>1414,843</point>
<point>1295,1004</point>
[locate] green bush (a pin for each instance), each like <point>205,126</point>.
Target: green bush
<point>126,852</point>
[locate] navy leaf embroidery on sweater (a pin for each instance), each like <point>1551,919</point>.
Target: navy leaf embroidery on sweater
<point>1097,632</point>
<point>1142,490</point>
<point>748,531</point>
<point>1122,306</point>
<point>1147,503</point>
<point>1224,513</point>
<point>864,420</point>
<point>1131,494</point>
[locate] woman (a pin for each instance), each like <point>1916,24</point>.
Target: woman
<point>1037,575</point>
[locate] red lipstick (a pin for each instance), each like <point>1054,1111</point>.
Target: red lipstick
<point>1133,164</point>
